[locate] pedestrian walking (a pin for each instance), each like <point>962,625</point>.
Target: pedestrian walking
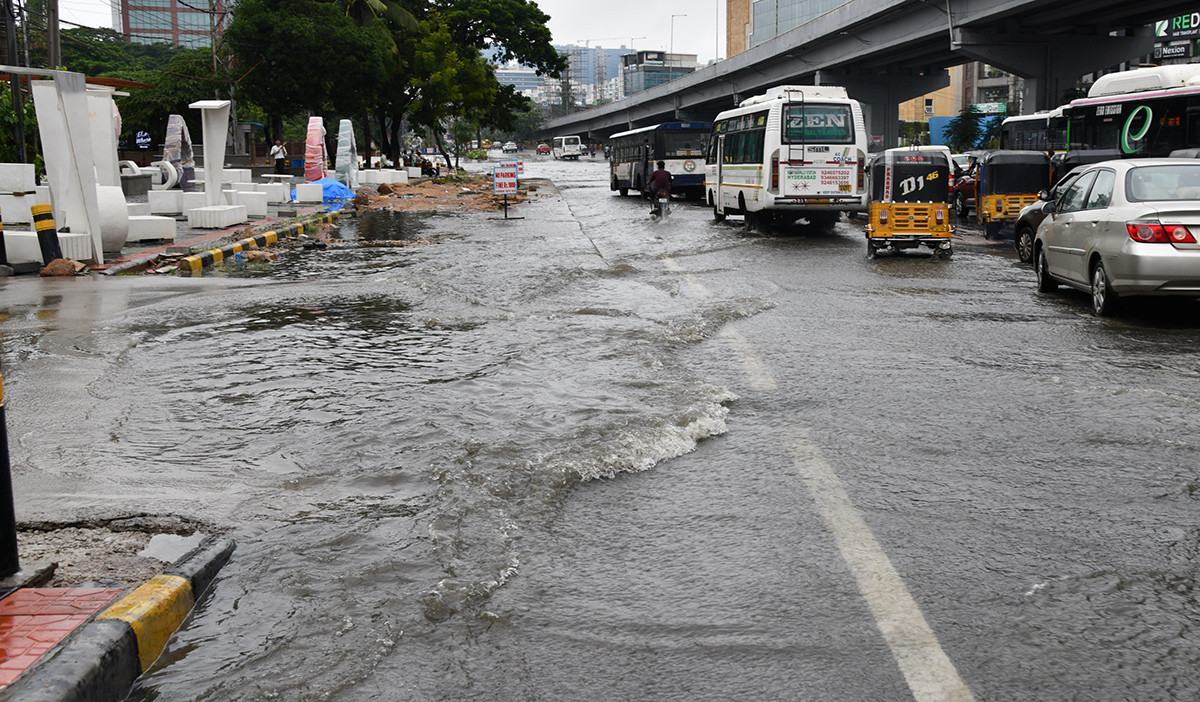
<point>279,157</point>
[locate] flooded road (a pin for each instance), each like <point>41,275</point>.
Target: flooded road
<point>587,456</point>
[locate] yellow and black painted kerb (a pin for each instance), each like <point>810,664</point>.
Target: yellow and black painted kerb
<point>199,262</point>
<point>103,659</point>
<point>47,233</point>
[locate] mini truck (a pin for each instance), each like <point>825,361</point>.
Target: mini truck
<point>908,206</point>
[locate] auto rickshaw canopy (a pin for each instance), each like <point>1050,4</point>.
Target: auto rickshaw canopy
<point>1013,172</point>
<point>910,175</point>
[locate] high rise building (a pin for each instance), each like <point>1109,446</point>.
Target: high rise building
<point>646,69</point>
<point>770,18</point>
<point>190,23</point>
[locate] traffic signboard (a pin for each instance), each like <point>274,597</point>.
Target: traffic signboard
<point>504,180</point>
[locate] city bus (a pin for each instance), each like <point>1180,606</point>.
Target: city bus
<point>567,147</point>
<point>1146,112</point>
<point>633,154</point>
<point>796,151</point>
<point>1043,131</point>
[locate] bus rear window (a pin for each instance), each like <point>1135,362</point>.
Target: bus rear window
<point>817,124</point>
<point>682,144</point>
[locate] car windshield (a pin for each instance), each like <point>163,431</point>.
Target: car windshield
<point>1180,182</point>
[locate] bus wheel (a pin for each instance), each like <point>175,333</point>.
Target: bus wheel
<point>623,191</point>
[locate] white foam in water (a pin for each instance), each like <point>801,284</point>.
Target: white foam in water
<point>667,439</point>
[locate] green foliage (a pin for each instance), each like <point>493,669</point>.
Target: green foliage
<point>517,27</point>
<point>104,52</point>
<point>186,78</point>
<point>478,154</point>
<point>307,56</point>
<point>962,133</point>
<point>8,120</point>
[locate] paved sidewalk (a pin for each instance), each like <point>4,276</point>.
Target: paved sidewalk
<point>34,621</point>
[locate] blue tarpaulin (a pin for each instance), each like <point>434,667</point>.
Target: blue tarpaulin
<point>331,191</point>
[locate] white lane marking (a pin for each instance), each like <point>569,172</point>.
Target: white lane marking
<point>930,675</point>
<point>753,366</point>
<point>756,371</point>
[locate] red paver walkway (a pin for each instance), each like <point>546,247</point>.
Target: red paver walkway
<point>33,621</point>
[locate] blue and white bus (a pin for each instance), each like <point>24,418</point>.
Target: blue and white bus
<point>681,145</point>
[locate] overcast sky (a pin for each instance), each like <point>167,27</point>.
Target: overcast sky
<point>642,24</point>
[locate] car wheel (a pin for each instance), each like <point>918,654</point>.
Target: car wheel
<point>1045,282</point>
<point>1024,244</point>
<point>960,206</point>
<point>1104,298</point>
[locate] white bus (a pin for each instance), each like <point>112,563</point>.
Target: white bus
<point>679,144</point>
<point>797,151</point>
<point>567,147</point>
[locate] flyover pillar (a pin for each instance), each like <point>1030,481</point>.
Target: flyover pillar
<point>881,96</point>
<point>1049,64</point>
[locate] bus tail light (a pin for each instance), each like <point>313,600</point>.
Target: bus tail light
<point>862,170</point>
<point>1151,232</point>
<point>775,172</point>
<point>883,216</point>
<point>939,216</point>
<point>999,205</point>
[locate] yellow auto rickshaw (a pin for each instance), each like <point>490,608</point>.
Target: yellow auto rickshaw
<point>909,190</point>
<point>1007,182</point>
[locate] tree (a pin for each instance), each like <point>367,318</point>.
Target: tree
<point>186,78</point>
<point>962,132</point>
<point>306,56</point>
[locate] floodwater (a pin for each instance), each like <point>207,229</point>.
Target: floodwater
<point>581,455</point>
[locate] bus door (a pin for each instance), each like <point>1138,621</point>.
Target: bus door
<point>720,195</point>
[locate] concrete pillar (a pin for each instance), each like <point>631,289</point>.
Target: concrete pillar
<point>1049,64</point>
<point>881,96</point>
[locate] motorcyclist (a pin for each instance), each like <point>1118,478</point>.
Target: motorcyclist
<point>660,181</point>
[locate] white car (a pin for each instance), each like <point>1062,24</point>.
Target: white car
<point>509,147</point>
<point>1124,228</point>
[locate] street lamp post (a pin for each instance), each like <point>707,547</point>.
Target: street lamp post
<point>671,69</point>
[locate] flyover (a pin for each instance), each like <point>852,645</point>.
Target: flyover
<point>888,51</point>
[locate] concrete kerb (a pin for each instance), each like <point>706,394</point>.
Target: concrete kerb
<point>194,264</point>
<point>102,660</point>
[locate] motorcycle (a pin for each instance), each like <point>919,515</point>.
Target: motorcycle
<point>662,205</point>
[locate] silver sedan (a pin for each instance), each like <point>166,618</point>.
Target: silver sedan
<point>1124,228</point>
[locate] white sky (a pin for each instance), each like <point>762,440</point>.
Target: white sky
<point>640,24</point>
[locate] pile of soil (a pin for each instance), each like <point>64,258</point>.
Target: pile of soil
<point>461,194</point>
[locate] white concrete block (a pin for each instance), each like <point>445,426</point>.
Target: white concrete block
<point>165,202</point>
<point>22,247</point>
<point>138,209</point>
<point>149,228</point>
<point>16,177</point>
<point>227,196</point>
<point>216,217</point>
<point>414,172</point>
<point>14,209</point>
<point>255,203</point>
<point>193,200</point>
<point>236,175</point>
<point>43,195</point>
<point>368,177</point>
<point>398,177</point>
<point>245,187</point>
<point>277,193</point>
<point>310,192</point>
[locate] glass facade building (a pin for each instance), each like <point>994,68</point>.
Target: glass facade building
<point>770,18</point>
<point>171,21</point>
